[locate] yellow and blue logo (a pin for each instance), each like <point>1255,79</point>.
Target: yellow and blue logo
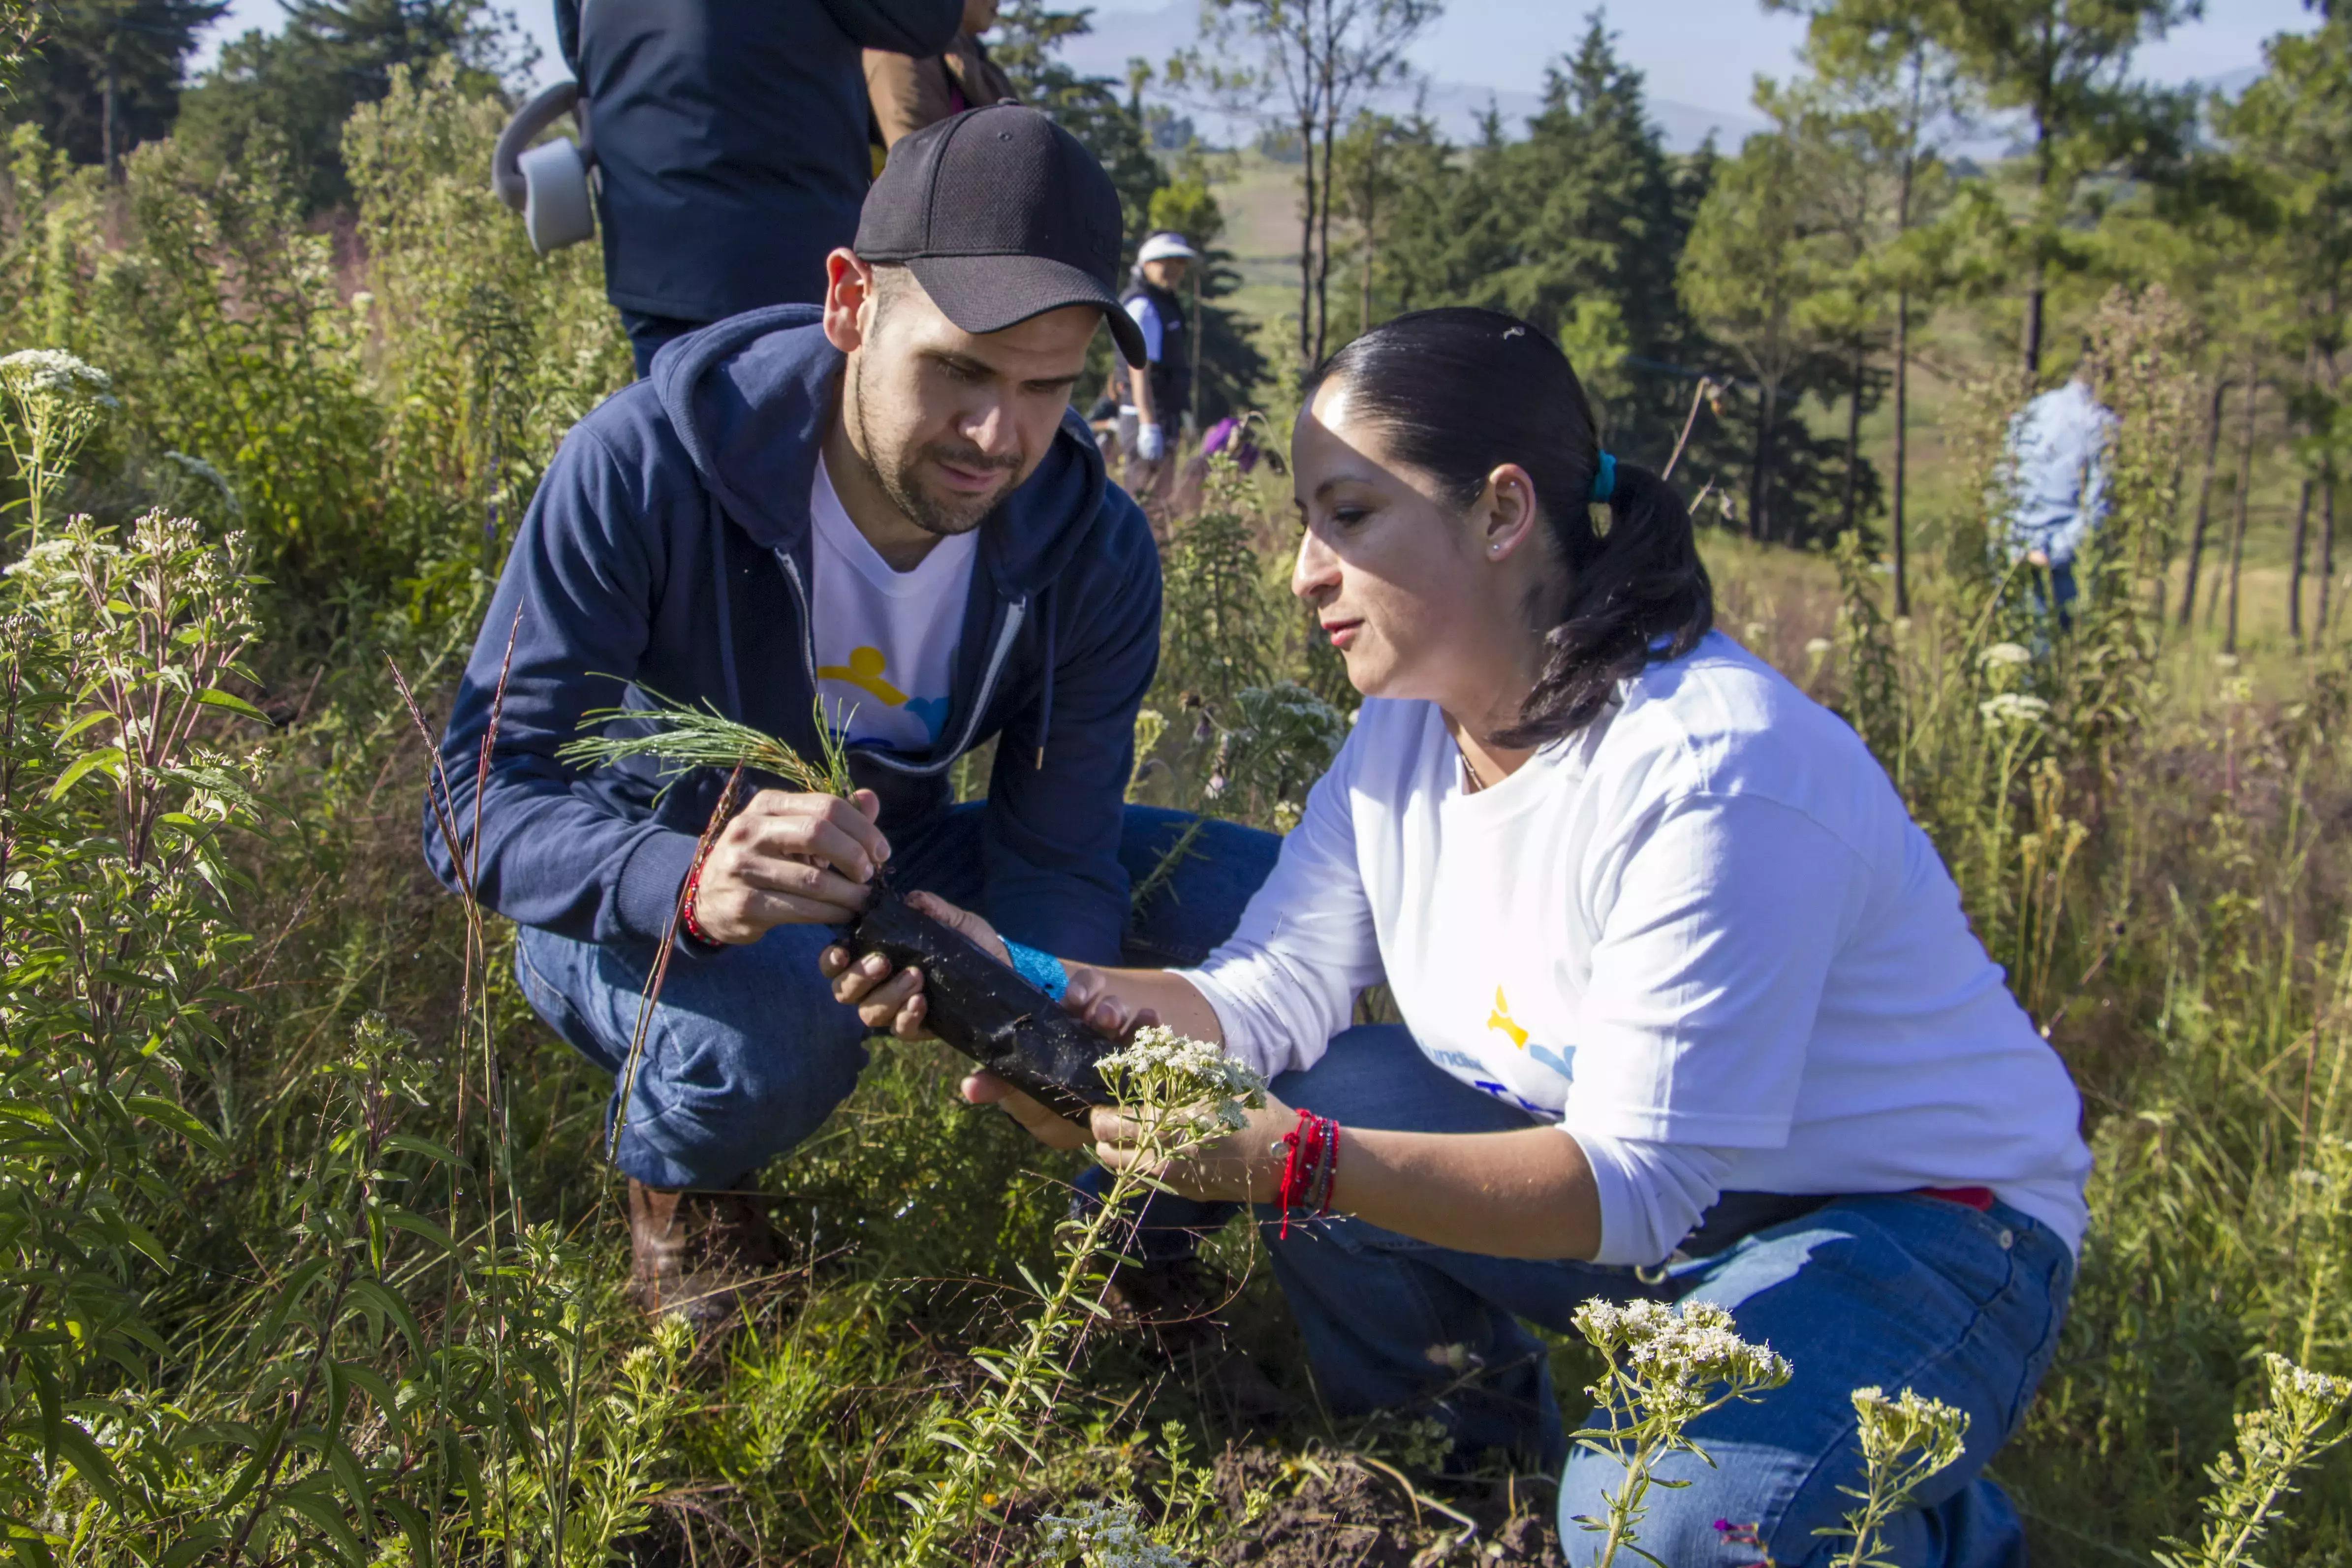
<point>866,670</point>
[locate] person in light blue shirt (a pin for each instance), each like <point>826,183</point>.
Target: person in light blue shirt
<point>2060,442</point>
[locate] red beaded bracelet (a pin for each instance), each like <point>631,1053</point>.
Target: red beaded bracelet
<point>1310,1168</point>
<point>685,911</point>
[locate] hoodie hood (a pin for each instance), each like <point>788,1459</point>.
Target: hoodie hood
<point>749,399</point>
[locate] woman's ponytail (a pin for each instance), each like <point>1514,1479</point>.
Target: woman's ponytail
<point>1641,594</point>
<point>1461,392</point>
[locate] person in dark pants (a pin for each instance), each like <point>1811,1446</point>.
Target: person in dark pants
<point>731,139</point>
<point>886,506</point>
<point>1154,398</point>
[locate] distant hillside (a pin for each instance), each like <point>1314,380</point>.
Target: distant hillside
<point>1121,36</point>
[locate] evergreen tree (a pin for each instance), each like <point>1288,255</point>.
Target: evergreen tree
<point>1746,273</point>
<point>2291,134</point>
<point>105,74</point>
<point>2063,66</point>
<point>299,85</point>
<point>1576,228</point>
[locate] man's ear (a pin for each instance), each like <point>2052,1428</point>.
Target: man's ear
<point>848,294</point>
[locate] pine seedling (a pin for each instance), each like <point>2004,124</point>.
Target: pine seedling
<point>684,737</point>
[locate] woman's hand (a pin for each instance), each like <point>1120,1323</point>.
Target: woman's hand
<point>1090,1000</point>
<point>893,1003</point>
<point>1242,1167</point>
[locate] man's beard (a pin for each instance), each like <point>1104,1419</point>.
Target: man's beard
<point>896,471</point>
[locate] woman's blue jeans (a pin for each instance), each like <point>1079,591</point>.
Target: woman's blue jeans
<point>1898,1291</point>
<point>748,1052</point>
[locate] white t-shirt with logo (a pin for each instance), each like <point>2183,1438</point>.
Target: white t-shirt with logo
<point>886,639</point>
<point>1704,937</point>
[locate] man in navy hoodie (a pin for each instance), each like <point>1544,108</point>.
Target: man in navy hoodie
<point>885,504</point>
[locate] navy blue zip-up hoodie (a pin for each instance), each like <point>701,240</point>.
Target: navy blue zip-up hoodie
<point>669,548</point>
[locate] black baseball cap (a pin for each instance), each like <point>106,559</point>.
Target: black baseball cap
<point>1001,215</point>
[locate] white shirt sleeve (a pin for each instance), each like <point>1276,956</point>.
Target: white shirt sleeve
<point>1155,337</point>
<point>1286,981</point>
<point>1650,1195</point>
<point>1719,916</point>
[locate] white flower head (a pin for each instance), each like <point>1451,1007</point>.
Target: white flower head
<point>1163,1067</point>
<point>1679,1353</point>
<point>2005,656</point>
<point>2013,707</point>
<point>55,372</point>
<point>1105,1536</point>
<point>1817,647</point>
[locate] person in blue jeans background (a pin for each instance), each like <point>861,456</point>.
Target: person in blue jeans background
<point>2058,444</point>
<point>887,507</point>
<point>1690,1008</point>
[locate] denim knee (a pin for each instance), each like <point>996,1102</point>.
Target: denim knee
<point>745,1055</point>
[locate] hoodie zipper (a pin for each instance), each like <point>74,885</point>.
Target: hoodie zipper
<point>1015,613</point>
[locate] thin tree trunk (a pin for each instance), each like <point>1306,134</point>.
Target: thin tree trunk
<point>1759,485</point>
<point>2037,288</point>
<point>1364,308</point>
<point>2204,501</point>
<point>2238,528</point>
<point>2042,154</point>
<point>2294,569</point>
<point>1902,442</point>
<point>1852,438</point>
<point>1307,360</point>
<point>1323,220</point>
<point>106,116</point>
<point>2326,557</point>
<point>1903,334</point>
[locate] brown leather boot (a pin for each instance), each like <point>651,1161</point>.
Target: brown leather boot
<point>697,1254</point>
<point>1176,1308</point>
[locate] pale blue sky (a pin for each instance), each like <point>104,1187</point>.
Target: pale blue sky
<point>1701,52</point>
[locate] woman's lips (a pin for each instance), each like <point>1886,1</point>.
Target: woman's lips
<point>1341,633</point>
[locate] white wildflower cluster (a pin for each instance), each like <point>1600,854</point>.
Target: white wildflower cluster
<point>1675,1355</point>
<point>1105,1536</point>
<point>1160,1066</point>
<point>2013,707</point>
<point>56,374</point>
<point>2302,1390</point>
<point>2005,656</point>
<point>1817,647</point>
<point>1908,1423</point>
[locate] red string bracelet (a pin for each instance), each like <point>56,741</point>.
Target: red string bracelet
<point>1309,1168</point>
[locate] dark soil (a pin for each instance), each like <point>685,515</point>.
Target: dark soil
<point>1333,1511</point>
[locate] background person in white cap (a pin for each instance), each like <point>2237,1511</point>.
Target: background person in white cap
<point>1154,401</point>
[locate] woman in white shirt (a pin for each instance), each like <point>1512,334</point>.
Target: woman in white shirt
<point>1690,1005</point>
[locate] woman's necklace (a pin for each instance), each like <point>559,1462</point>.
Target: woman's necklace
<point>1470,769</point>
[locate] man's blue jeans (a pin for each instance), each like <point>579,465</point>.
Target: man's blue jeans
<point>748,1052</point>
<point>1899,1290</point>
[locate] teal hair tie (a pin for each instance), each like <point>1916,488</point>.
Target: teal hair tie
<point>1604,479</point>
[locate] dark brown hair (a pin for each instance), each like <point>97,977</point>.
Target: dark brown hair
<point>1461,392</point>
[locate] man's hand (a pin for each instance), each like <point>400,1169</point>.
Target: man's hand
<point>791,859</point>
<point>1151,443</point>
<point>891,1003</point>
<point>2037,558</point>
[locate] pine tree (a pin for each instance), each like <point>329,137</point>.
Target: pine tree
<point>301,83</point>
<point>105,75</point>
